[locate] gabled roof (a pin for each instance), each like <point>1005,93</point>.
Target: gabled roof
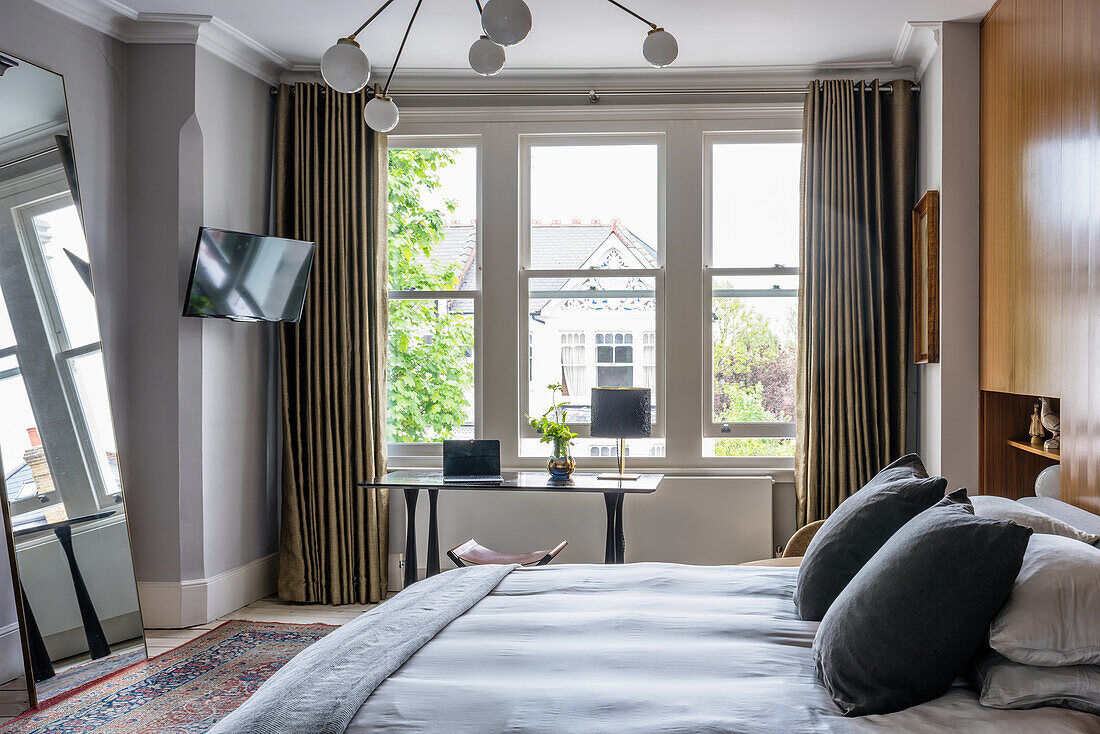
<point>557,246</point>
<point>20,483</point>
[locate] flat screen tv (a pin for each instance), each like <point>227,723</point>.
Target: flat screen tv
<point>248,277</point>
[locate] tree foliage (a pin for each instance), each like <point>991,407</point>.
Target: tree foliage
<point>754,371</point>
<point>431,343</point>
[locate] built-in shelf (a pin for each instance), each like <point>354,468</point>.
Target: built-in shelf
<point>1037,450</point>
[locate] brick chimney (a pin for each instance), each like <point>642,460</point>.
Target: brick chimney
<point>35,457</point>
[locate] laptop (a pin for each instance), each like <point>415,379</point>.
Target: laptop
<point>472,462</point>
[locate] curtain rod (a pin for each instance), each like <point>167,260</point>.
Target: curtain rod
<point>594,95</point>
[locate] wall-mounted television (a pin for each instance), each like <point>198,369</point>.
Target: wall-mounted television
<point>248,277</point>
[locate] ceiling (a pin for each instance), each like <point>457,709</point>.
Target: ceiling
<point>589,34</point>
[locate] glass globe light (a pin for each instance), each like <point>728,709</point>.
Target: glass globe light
<point>660,47</point>
<point>486,57</point>
<point>506,22</point>
<point>381,114</point>
<point>345,67</point>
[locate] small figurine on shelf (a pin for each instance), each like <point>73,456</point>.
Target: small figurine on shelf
<point>1053,423</point>
<point>1036,429</point>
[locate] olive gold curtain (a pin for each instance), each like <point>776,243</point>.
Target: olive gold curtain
<point>330,188</point>
<point>858,181</point>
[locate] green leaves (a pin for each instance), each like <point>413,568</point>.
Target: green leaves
<point>431,344</point>
<point>554,431</point>
<point>754,371</point>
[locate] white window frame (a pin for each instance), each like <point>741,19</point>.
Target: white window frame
<point>433,450</point>
<point>501,341</point>
<point>22,199</point>
<point>740,429</point>
<point>528,273</point>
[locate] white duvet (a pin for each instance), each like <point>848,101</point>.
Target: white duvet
<point>647,648</point>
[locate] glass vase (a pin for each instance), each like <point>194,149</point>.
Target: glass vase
<point>561,464</point>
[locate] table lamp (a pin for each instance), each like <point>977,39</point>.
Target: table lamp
<point>622,413</point>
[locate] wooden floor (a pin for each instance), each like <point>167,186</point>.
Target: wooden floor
<point>13,696</point>
<point>264,610</point>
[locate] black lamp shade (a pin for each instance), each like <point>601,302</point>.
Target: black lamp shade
<point>620,412</point>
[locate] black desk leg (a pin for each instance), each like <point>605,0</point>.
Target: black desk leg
<point>620,539</point>
<point>410,537</point>
<point>433,534</point>
<point>609,548</point>
<point>93,630</point>
<point>41,667</point>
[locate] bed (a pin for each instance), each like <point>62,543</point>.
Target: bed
<point>592,648</point>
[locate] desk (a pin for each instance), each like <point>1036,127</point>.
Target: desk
<point>411,482</point>
<point>93,630</point>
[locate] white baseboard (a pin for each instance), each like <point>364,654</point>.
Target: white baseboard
<point>396,572</point>
<point>177,604</point>
<point>11,653</point>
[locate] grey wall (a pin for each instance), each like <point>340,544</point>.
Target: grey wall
<point>167,138</point>
<point>200,151</point>
<point>161,461</point>
<point>948,161</point>
<point>240,484</point>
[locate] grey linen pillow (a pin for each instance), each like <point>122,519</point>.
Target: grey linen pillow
<point>858,528</point>
<point>916,614</point>
<point>1003,684</point>
<point>1052,616</point>
<point>1003,508</point>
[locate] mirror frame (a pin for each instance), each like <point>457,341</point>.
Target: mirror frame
<point>78,202</point>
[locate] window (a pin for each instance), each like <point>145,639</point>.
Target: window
<point>600,245</point>
<point>433,289</point>
<point>615,359</point>
<point>752,275</point>
<point>58,448</point>
<point>649,360</point>
<point>591,262</point>
<point>574,364</point>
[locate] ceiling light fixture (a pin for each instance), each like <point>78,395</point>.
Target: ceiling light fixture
<point>346,68</point>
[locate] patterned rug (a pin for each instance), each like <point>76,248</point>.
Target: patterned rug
<point>185,690</point>
<point>85,673</point>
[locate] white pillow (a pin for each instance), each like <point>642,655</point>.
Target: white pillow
<point>1052,616</point>
<point>1003,684</point>
<point>1002,508</point>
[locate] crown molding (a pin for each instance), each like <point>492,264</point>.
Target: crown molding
<point>208,32</point>
<point>411,81</point>
<point>122,22</point>
<point>917,45</point>
<point>105,16</point>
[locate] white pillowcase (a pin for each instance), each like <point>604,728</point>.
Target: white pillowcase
<point>1002,508</point>
<point>1052,616</point>
<point>1003,684</point>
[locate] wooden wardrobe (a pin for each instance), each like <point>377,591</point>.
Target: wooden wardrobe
<point>1040,241</point>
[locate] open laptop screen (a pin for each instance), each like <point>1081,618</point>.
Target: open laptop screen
<point>477,458</point>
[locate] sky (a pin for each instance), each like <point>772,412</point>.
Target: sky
<point>572,182</point>
<point>755,217</point>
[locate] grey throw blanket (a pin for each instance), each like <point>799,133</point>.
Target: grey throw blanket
<point>322,687</point>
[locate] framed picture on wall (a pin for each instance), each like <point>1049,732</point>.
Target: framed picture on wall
<point>926,279</point>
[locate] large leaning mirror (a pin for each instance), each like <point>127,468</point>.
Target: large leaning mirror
<point>69,614</point>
